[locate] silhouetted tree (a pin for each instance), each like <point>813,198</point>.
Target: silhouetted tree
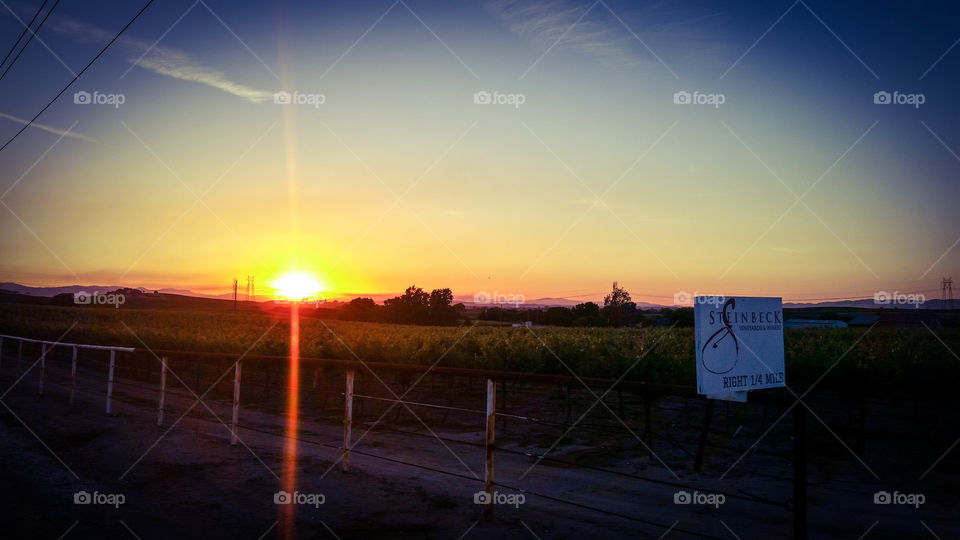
<point>360,309</point>
<point>586,314</point>
<point>441,312</point>
<point>682,317</point>
<point>617,307</point>
<point>413,307</point>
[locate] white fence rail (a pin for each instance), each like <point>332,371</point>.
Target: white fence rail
<point>47,346</point>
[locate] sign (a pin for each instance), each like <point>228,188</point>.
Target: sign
<point>739,345</point>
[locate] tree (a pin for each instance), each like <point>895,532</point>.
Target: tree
<point>360,309</point>
<point>441,312</point>
<point>586,314</point>
<point>617,307</point>
<point>558,316</point>
<point>412,307</point>
<point>617,297</point>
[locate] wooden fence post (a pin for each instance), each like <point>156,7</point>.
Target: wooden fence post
<point>490,446</point>
<point>113,357</point>
<point>648,418</point>
<point>73,374</point>
<point>347,420</point>
<point>43,365</point>
<point>707,417</point>
<point>163,389</point>
<point>236,403</point>
<point>799,473</point>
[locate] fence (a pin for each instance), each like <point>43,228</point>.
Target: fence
<point>137,364</point>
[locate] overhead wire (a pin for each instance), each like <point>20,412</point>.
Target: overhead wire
<point>77,76</point>
<point>26,27</point>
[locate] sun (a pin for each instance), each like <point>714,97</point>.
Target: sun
<point>297,286</point>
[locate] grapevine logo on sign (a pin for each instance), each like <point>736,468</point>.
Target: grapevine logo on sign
<point>739,345</point>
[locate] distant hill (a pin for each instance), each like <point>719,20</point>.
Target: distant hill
<point>868,303</point>
<point>53,291</point>
<point>72,289</point>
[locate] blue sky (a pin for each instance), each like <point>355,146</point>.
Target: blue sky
<point>491,197</point>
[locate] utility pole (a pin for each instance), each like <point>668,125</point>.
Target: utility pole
<point>234,293</point>
<point>946,292</point>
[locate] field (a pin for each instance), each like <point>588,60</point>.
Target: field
<point>881,361</point>
<point>415,468</point>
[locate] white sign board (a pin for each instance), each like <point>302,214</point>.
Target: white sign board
<point>739,344</point>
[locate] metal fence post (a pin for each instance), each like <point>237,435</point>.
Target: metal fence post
<point>43,366</point>
<point>113,357</point>
<point>490,446</point>
<point>236,403</point>
<point>163,389</point>
<point>347,421</point>
<point>73,374</point>
<point>799,473</point>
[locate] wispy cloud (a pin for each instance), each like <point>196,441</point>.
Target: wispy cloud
<point>161,60</point>
<point>179,65</point>
<point>51,129</point>
<point>616,34</point>
<point>560,24</point>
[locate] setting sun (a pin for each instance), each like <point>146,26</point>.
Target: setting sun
<point>297,286</point>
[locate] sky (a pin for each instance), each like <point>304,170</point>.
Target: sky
<point>536,148</point>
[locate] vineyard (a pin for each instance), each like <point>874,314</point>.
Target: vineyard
<point>592,448</point>
<point>879,361</point>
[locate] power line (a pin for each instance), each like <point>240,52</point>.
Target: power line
<point>25,28</point>
<point>29,39</point>
<point>99,54</point>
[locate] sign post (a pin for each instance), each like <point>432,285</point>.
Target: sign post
<point>739,349</point>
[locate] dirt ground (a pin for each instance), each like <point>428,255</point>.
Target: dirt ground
<point>184,480</point>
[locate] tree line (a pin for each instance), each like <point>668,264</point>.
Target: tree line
<point>416,306</point>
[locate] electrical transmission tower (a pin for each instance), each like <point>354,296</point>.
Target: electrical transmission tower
<point>251,291</point>
<point>946,292</point>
